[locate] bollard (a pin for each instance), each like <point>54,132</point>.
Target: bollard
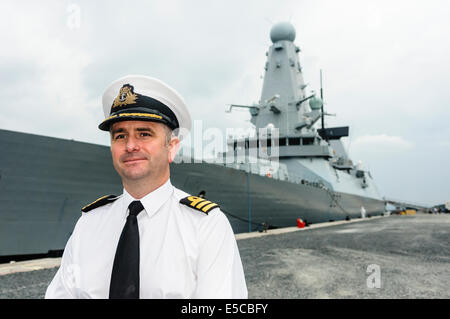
<point>300,223</point>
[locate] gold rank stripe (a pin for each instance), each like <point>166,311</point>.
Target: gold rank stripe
<point>95,201</point>
<point>208,207</point>
<point>135,114</point>
<point>201,203</point>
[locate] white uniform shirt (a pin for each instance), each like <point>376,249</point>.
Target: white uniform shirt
<point>184,253</point>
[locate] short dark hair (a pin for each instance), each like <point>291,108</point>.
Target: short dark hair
<point>169,134</point>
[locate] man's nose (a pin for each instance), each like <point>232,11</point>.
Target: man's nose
<point>132,144</point>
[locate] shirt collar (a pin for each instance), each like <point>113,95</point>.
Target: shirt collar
<point>152,202</point>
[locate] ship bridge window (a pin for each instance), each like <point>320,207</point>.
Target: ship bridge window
<point>294,141</point>
<point>308,141</point>
<point>265,143</point>
<point>282,142</point>
<point>251,143</point>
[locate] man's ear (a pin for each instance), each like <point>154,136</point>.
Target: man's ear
<point>173,147</point>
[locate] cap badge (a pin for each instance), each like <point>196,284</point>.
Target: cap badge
<point>126,96</point>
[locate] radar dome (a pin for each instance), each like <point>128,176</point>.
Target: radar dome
<point>315,103</point>
<point>282,31</point>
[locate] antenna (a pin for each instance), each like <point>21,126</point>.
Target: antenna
<point>321,97</point>
<point>323,113</point>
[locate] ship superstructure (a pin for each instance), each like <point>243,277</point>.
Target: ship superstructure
<point>306,155</point>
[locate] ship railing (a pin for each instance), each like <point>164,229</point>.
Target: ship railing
<point>272,169</point>
<point>278,174</point>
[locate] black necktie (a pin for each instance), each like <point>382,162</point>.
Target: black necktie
<point>125,272</point>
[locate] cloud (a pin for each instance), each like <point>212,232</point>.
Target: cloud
<point>382,143</point>
<point>42,74</point>
<point>444,143</point>
<point>385,66</point>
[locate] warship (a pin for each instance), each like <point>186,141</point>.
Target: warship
<point>285,170</point>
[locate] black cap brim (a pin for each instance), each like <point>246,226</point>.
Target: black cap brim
<point>137,114</point>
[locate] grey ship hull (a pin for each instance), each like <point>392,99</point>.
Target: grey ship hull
<point>45,181</point>
<point>261,199</point>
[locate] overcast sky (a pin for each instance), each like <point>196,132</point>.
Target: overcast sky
<point>386,71</point>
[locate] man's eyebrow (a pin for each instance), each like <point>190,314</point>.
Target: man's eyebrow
<point>117,130</point>
<point>139,129</point>
<point>145,129</point>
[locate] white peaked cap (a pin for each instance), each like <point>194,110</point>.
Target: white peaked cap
<point>139,97</point>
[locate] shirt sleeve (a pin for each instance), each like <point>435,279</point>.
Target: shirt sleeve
<point>219,268</point>
<point>60,286</point>
<point>66,283</point>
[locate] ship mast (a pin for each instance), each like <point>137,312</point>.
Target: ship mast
<point>321,97</point>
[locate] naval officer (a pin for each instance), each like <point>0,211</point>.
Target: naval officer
<point>154,240</point>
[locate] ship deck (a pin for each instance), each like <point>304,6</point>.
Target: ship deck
<point>381,257</point>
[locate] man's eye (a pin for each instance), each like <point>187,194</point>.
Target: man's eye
<point>145,134</point>
<point>119,136</point>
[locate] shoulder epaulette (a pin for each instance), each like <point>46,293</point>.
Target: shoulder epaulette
<point>99,202</point>
<point>198,203</point>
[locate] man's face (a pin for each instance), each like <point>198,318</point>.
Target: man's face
<point>140,150</point>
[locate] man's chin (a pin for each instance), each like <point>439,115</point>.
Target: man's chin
<point>135,175</point>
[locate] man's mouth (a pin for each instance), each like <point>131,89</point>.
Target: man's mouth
<point>133,160</point>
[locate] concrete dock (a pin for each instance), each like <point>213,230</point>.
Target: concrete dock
<point>386,257</point>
